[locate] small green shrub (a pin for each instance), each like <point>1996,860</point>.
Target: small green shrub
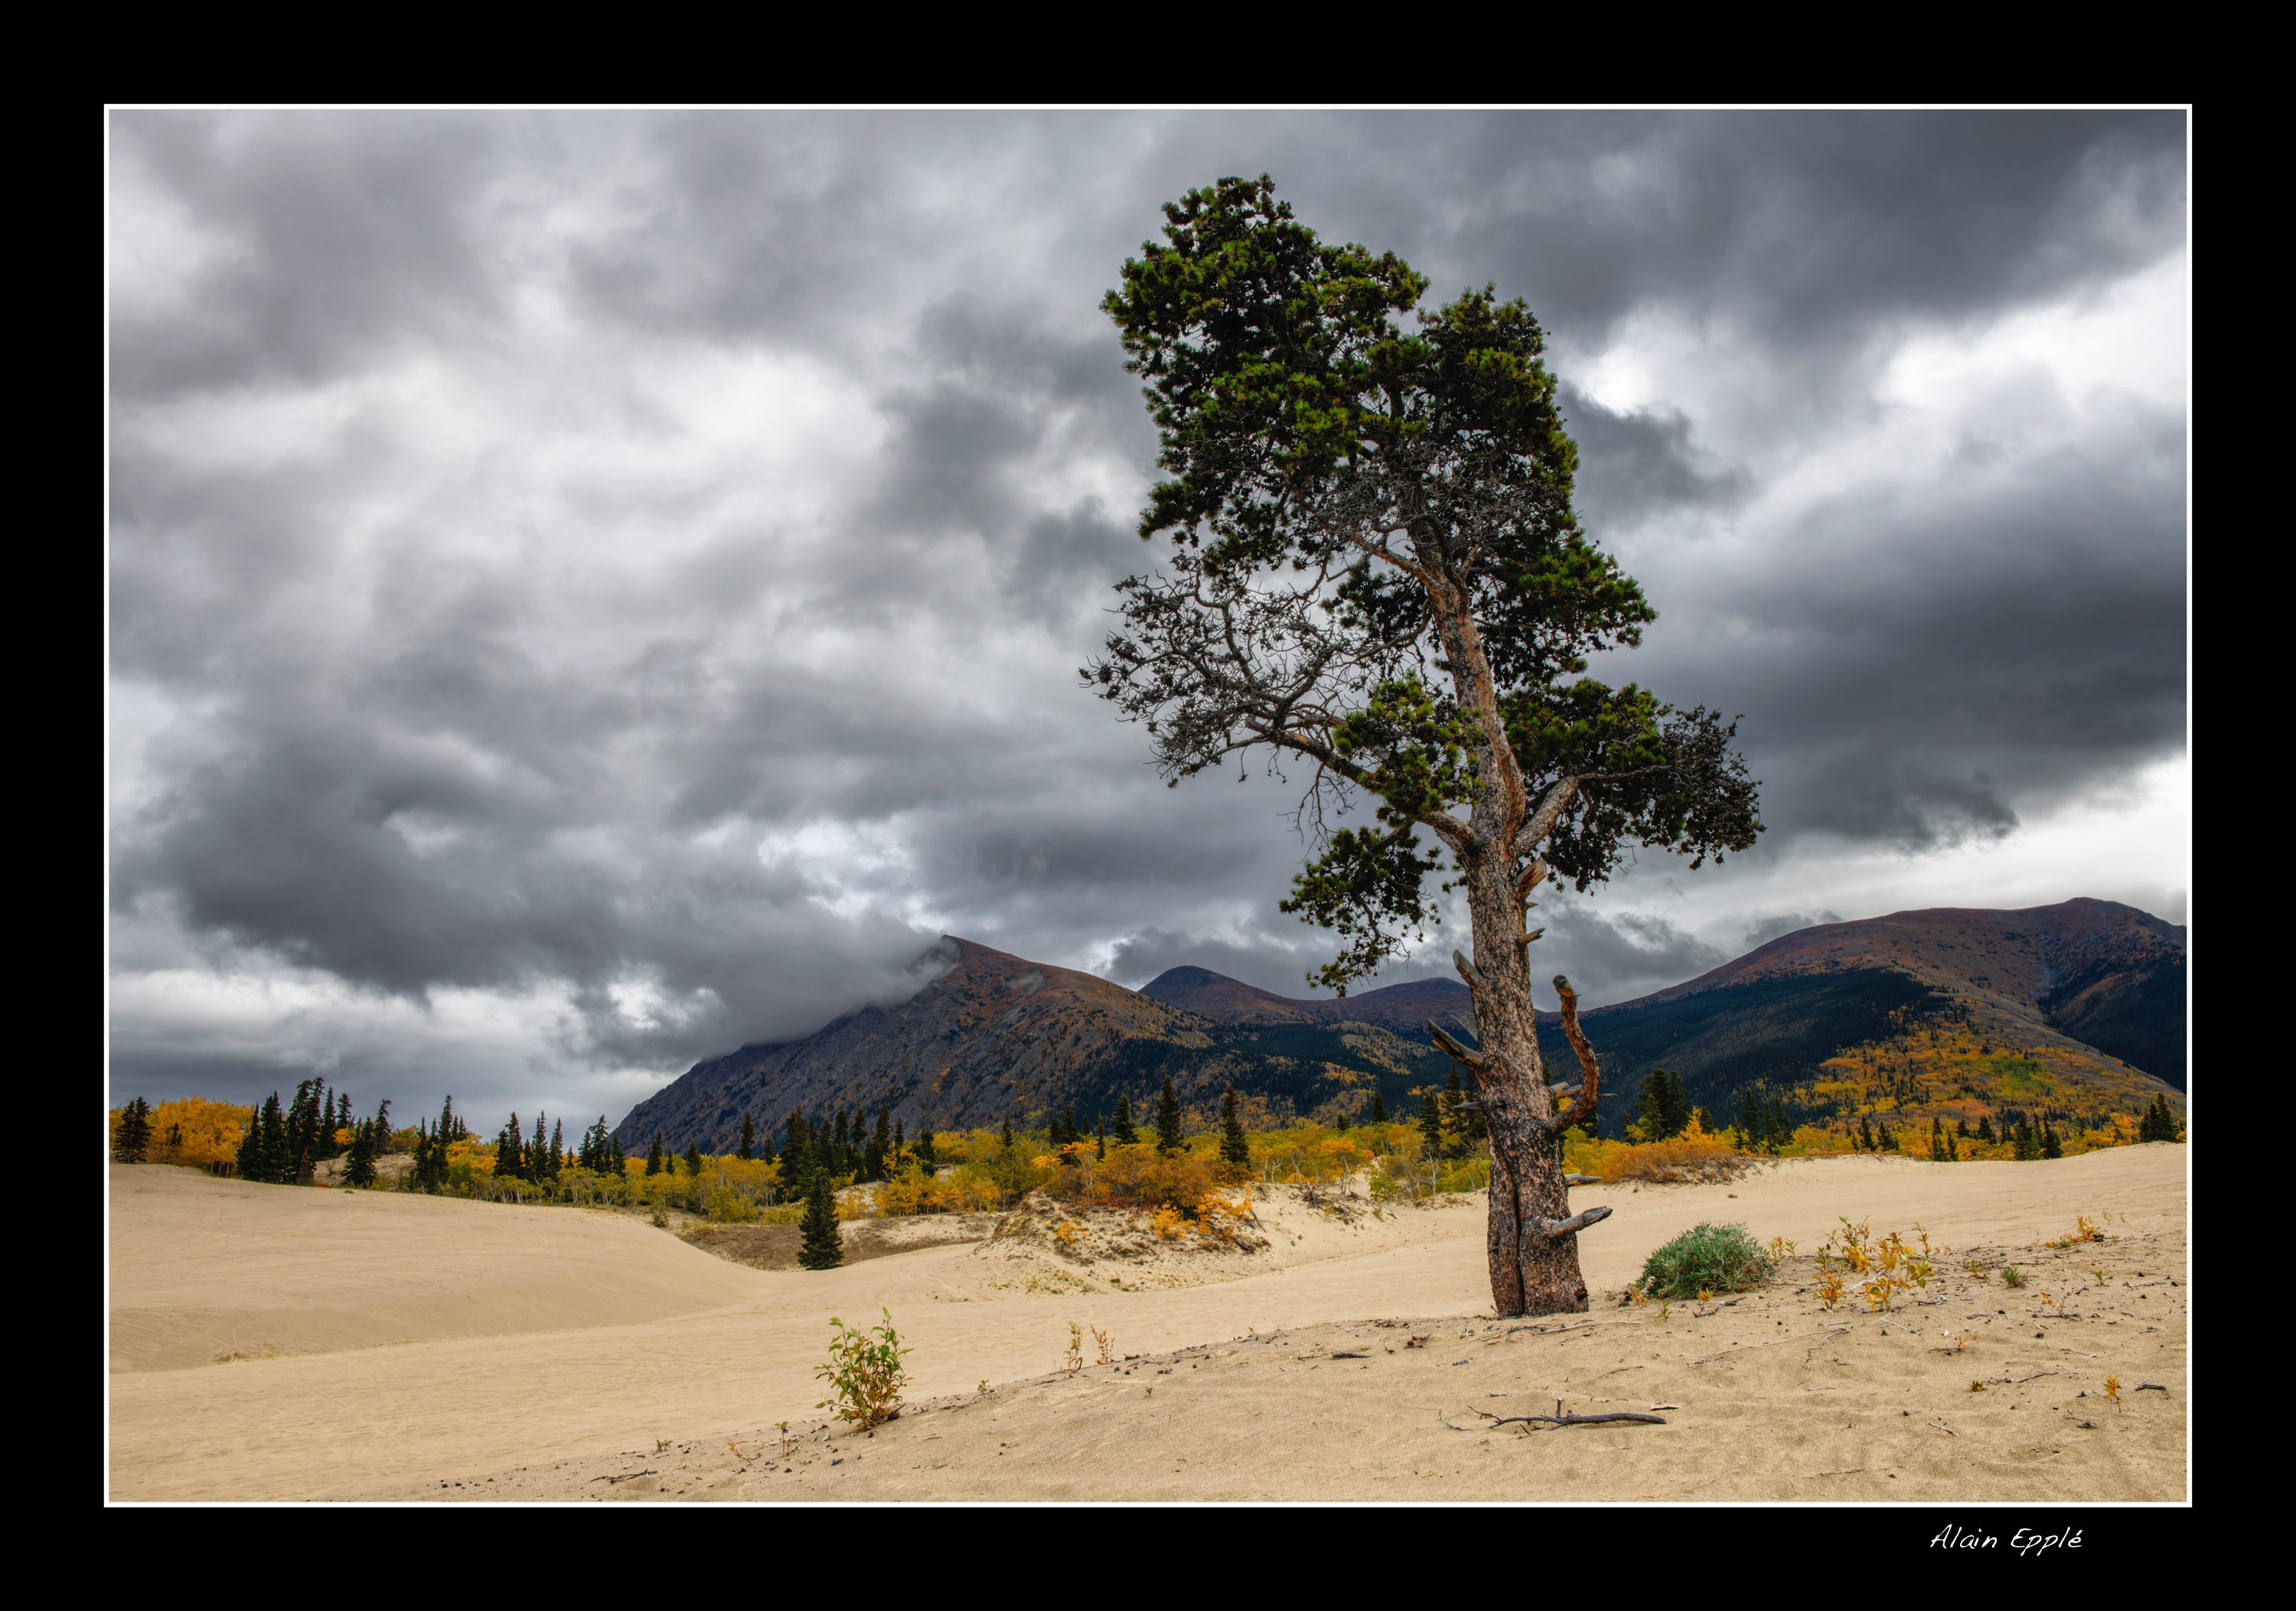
<point>864,1372</point>
<point>2012,1275</point>
<point>1708,1258</point>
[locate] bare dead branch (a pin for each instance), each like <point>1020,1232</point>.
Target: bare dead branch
<point>1452,1048</point>
<point>1577,1222</point>
<point>1560,1420</point>
<point>1467,971</point>
<point>1592,1090</point>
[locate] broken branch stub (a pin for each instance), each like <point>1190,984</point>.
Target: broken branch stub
<point>1577,1222</point>
<point>1591,1088</point>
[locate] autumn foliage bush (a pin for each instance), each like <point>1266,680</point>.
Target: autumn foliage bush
<point>1696,1154</point>
<point>963,1190</point>
<point>194,1131</point>
<point>1134,1177</point>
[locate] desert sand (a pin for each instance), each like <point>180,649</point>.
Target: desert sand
<point>282,1343</point>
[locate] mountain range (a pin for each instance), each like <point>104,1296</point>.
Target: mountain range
<point>2077,1007</point>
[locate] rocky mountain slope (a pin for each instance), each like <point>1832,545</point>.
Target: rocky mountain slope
<point>2077,1007</point>
<point>996,1035</point>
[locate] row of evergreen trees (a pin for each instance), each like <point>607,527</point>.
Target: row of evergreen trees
<point>2158,1123</point>
<point>283,1146</point>
<point>431,1144</point>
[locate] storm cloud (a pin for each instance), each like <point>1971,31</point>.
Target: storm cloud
<point>589,590</point>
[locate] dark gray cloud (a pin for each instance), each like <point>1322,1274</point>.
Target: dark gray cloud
<point>589,589</point>
<point>1763,930</point>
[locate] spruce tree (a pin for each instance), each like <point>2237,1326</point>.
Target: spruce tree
<point>1781,1132</point>
<point>1473,1132</point>
<point>1068,1130</point>
<point>795,1163</point>
<point>1378,1107</point>
<point>653,1155</point>
<point>1121,1129</point>
<point>556,1156</point>
<point>358,1167</point>
<point>1004,1136</point>
<point>249,1150</point>
<point>2051,1145</point>
<point>927,1158</point>
<point>1431,1122</point>
<point>276,1164</point>
<point>382,1127</point>
<point>819,1247</point>
<point>1234,1147</point>
<point>748,1145</point>
<point>1984,1129</point>
<point>510,1164</point>
<point>693,1160</point>
<point>1167,1120</point>
<point>133,1138</point>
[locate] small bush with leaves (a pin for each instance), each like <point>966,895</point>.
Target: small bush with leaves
<point>2012,1276</point>
<point>1717,1258</point>
<point>864,1372</point>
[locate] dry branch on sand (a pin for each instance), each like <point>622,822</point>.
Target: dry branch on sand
<point>1559,1420</point>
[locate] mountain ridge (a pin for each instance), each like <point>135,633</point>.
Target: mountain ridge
<point>1940,1005</point>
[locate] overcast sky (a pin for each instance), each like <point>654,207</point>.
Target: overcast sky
<point>589,590</point>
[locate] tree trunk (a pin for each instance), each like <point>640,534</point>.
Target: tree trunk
<point>1534,1255</point>
<point>1533,1271</point>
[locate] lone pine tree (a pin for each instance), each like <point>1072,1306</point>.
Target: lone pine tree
<point>1235,1148</point>
<point>133,1138</point>
<point>1168,1118</point>
<point>818,1245</point>
<point>1121,1129</point>
<point>1375,574</point>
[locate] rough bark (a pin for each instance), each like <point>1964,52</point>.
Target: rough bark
<point>1532,1241</point>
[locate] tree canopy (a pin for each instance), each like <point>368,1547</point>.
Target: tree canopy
<point>1374,569</point>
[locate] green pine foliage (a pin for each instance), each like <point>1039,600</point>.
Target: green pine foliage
<point>1378,1107</point>
<point>358,1167</point>
<point>1431,1122</point>
<point>1235,1147</point>
<point>1662,1108</point>
<point>2158,1122</point>
<point>1121,1129</point>
<point>797,1152</point>
<point>131,1139</point>
<point>653,1155</point>
<point>1167,1120</point>
<point>819,1246</point>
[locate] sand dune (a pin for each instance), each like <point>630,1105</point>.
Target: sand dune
<point>419,1342</point>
